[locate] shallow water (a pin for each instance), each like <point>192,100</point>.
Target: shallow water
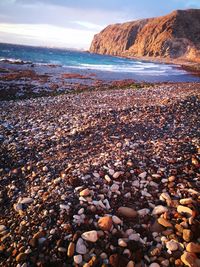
<point>105,67</point>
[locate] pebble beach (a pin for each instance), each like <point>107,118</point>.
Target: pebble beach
<point>101,178</point>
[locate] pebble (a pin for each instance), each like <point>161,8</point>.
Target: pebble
<point>186,210</point>
<point>84,192</point>
<point>127,212</point>
<point>186,201</point>
<point>116,219</point>
<point>154,264</point>
<point>26,200</point>
<point>189,259</point>
<point>193,247</point>
<point>142,175</point>
<point>130,264</point>
<point>159,210</point>
<point>105,223</point>
<point>187,235</point>
<point>172,245</point>
<point>2,228</point>
<point>135,237</point>
<point>71,249</point>
<point>114,188</point>
<point>90,236</point>
<point>21,257</point>
<point>164,222</point>
<point>122,243</point>
<point>143,212</point>
<point>81,247</point>
<point>78,259</point>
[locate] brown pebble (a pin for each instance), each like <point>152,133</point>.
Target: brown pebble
<point>187,235</point>
<point>21,257</point>
<point>105,223</point>
<point>70,250</point>
<point>127,212</point>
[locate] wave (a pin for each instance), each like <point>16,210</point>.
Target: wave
<point>151,69</point>
<point>14,61</point>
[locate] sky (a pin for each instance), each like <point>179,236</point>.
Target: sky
<point>73,23</point>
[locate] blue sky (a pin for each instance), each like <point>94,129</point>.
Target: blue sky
<point>72,23</point>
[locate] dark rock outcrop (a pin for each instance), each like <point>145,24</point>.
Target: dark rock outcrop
<point>174,36</point>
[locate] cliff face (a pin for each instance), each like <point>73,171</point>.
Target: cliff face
<point>175,36</point>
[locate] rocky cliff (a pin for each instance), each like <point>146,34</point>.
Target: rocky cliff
<point>174,36</point>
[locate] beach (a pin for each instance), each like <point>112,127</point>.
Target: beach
<point>98,173</point>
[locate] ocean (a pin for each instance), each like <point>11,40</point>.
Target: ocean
<point>105,67</point>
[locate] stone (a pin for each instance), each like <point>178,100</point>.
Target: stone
<point>116,220</point>
<point>107,178</point>
<point>189,259</point>
<point>71,249</point>
<point>143,212</point>
<point>130,264</point>
<point>2,228</point>
<point>81,247</point>
<point>142,175</point>
<point>186,201</point>
<point>21,257</point>
<point>172,245</point>
<point>85,192</point>
<point>154,264</point>
<point>186,210</point>
<point>193,247</point>
<point>26,200</point>
<point>122,243</point>
<point>159,210</point>
<point>116,175</point>
<point>187,235</point>
<point>127,212</point>
<point>105,223</point>
<point>78,259</point>
<point>135,237</point>
<point>114,188</point>
<point>164,222</point>
<point>90,236</point>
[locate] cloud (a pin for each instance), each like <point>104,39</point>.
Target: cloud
<point>48,35</point>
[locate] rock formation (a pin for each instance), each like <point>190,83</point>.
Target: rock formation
<point>174,36</point>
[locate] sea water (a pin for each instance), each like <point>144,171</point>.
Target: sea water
<point>105,67</point>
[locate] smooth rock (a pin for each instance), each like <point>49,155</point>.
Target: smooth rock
<point>105,223</point>
<point>154,264</point>
<point>172,245</point>
<point>70,250</point>
<point>143,212</point>
<point>78,259</point>
<point>142,175</point>
<point>127,212</point>
<point>193,247</point>
<point>186,210</point>
<point>186,201</point>
<point>114,188</point>
<point>116,175</point>
<point>159,210</point>
<point>189,259</point>
<point>81,247</point>
<point>122,243</point>
<point>90,236</point>
<point>21,257</point>
<point>187,235</point>
<point>2,228</point>
<point>85,192</point>
<point>164,222</point>
<point>26,200</point>
<point>116,219</point>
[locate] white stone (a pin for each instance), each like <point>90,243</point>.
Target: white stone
<point>135,237</point>
<point>136,183</point>
<point>122,243</point>
<point>142,175</point>
<point>91,236</point>
<point>116,219</point>
<point>114,188</point>
<point>107,178</point>
<point>159,210</point>
<point>26,200</point>
<point>80,247</point>
<point>143,212</point>
<point>165,196</point>
<point>2,228</point>
<point>116,175</point>
<point>64,207</point>
<point>154,264</point>
<point>78,259</point>
<point>172,245</point>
